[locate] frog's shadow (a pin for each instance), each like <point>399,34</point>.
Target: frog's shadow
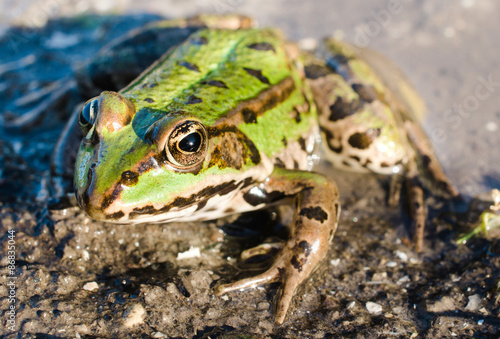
<point>50,52</point>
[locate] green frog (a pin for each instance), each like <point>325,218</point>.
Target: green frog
<point>231,118</point>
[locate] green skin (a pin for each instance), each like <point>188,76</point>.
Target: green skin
<point>245,93</point>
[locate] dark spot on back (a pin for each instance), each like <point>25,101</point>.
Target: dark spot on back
<point>314,71</point>
<point>216,83</point>
<point>284,141</point>
<point>343,108</point>
<point>199,40</point>
<point>316,213</point>
<point>129,178</point>
<point>149,100</point>
<point>337,61</point>
<point>193,100</point>
<point>189,66</point>
<point>229,210</point>
<point>249,116</point>
<point>360,140</point>
<point>262,46</point>
<point>330,138</point>
<point>302,143</point>
<point>257,73</point>
<point>364,140</point>
<point>366,93</point>
<point>296,115</point>
<point>384,165</point>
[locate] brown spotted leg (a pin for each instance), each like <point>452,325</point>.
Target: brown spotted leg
<point>440,184</point>
<point>429,170</point>
<point>315,221</point>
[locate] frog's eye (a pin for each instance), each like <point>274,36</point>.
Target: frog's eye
<point>187,144</point>
<point>88,115</point>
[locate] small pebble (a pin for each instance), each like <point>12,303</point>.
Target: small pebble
<point>192,252</point>
<point>474,302</point>
<point>335,262</point>
<point>403,280</point>
<point>402,256</point>
<point>134,315</point>
<point>90,286</point>
<point>373,308</point>
<point>264,305</point>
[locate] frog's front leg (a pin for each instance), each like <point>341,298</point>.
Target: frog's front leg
<point>315,220</point>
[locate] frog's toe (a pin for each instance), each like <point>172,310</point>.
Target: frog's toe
<point>284,270</point>
<point>275,273</point>
<point>283,300</point>
<point>271,275</point>
<point>261,250</point>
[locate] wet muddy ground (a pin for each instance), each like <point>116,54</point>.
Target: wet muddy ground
<point>78,278</point>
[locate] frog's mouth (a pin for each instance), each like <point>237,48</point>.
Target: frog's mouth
<point>208,203</point>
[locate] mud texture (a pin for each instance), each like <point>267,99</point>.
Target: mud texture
<point>78,278</point>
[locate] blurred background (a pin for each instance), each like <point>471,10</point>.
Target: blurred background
<point>448,49</point>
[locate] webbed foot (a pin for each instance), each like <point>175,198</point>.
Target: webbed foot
<point>315,221</point>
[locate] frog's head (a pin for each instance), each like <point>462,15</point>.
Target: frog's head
<point>133,165</point>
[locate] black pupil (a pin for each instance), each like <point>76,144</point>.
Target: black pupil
<point>86,117</point>
<point>190,143</point>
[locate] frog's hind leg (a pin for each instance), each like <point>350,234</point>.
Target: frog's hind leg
<point>418,212</point>
<point>315,221</point>
<point>430,169</point>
